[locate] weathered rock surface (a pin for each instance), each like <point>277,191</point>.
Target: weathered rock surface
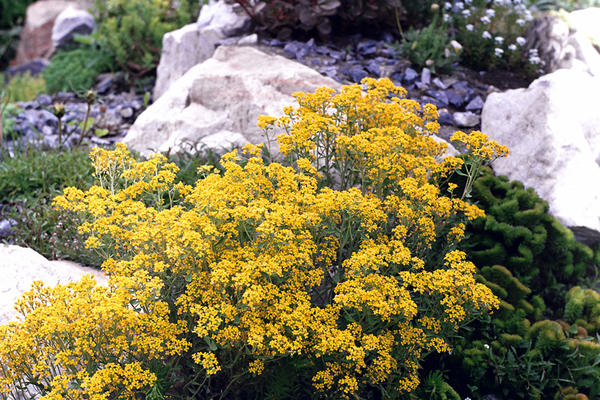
<point>218,102</point>
<point>22,266</point>
<point>70,22</point>
<point>195,43</point>
<point>552,130</point>
<point>568,40</point>
<point>36,38</point>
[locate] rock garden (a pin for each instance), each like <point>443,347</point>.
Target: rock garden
<point>276,199</point>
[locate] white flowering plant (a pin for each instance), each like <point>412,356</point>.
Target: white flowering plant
<point>492,34</point>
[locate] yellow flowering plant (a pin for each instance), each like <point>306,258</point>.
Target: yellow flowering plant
<point>340,262</point>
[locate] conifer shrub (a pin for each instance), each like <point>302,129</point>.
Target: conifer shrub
<point>318,270</point>
<point>542,338</point>
<point>518,233</point>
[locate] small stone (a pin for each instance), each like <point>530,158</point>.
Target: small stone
<point>126,112</point>
<point>357,74</point>
<point>410,75</point>
<point>47,130</point>
<point>425,76</point>
<point>366,47</point>
<point>440,96</point>
<point>248,40</point>
<point>5,227</point>
<point>445,118</point>
<point>440,84</point>
<point>475,105</point>
<point>373,67</point>
<point>454,98</point>
<point>466,119</point>
<point>44,100</point>
<point>315,61</point>
<point>291,48</point>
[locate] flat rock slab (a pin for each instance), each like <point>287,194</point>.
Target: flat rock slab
<point>21,266</point>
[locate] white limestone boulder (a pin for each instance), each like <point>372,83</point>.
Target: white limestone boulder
<point>217,102</point>
<point>195,43</point>
<point>552,130</point>
<point>21,266</point>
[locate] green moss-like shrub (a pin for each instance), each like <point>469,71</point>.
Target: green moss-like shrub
<point>519,234</point>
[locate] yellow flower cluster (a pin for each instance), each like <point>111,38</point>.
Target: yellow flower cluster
<point>329,259</point>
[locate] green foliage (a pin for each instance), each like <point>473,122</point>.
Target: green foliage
<point>12,17</point>
<point>435,387</point>
<point>75,70</point>
<point>518,233</point>
<point>9,111</point>
<point>583,309</point>
<point>527,258</point>
<point>23,87</point>
<point>29,179</point>
<point>429,47</point>
<point>131,31</point>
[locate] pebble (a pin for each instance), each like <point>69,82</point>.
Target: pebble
<point>466,119</point>
<point>114,112</point>
<point>475,105</point>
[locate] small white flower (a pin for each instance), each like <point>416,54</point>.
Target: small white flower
<point>459,5</point>
<point>499,39</point>
<point>512,47</point>
<point>466,13</point>
<point>490,12</point>
<point>447,18</point>
<point>468,2</point>
<point>485,19</point>
<point>521,41</point>
<point>469,27</point>
<point>486,35</point>
<point>498,52</point>
<point>447,5</point>
<point>528,16</point>
<point>487,346</point>
<point>520,22</point>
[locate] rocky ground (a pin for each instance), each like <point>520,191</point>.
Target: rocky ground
<point>459,95</point>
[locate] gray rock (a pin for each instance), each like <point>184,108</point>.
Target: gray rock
<point>425,76</point>
<point>445,118</point>
<point>475,105</point>
<point>454,98</point>
<point>356,73</point>
<point>466,119</point>
<point>409,75</point>
<point>366,47</point>
<point>373,67</point>
<point>68,23</point>
<point>126,112</point>
<point>44,100</point>
<point>440,84</point>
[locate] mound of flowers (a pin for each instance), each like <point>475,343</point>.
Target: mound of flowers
<point>337,263</point>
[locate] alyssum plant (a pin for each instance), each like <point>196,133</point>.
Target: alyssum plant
<point>338,267</point>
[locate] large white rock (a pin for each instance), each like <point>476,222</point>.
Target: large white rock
<point>568,40</point>
<point>181,50</point>
<point>21,266</point>
<point>217,102</point>
<point>552,130</point>
<point>70,22</point>
<point>194,43</point>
